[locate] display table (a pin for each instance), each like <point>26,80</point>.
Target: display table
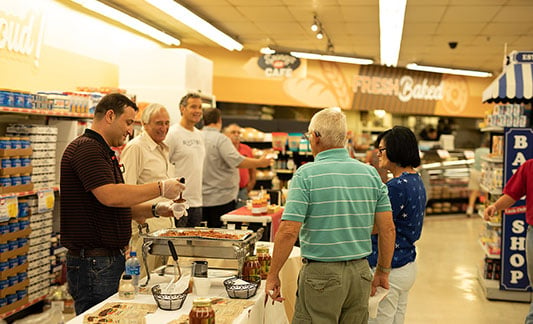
<point>257,313</point>
<point>244,215</point>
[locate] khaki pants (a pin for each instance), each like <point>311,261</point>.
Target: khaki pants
<point>154,224</point>
<point>333,292</point>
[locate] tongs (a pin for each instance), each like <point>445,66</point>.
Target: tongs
<point>177,269</point>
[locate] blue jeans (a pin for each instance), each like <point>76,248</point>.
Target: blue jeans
<point>93,279</point>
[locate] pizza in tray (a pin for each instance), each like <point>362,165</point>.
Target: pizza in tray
<point>210,234</point>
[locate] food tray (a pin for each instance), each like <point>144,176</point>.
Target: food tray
<point>203,233</point>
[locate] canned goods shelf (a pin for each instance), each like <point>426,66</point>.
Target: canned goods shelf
<point>44,112</point>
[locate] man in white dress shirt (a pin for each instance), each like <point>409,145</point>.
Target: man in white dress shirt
<point>187,153</point>
<point>145,159</point>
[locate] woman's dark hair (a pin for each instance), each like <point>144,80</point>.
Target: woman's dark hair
<point>113,101</point>
<point>402,147</point>
<point>212,116</point>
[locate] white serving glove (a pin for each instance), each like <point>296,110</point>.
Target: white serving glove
<point>171,188</point>
<point>171,209</point>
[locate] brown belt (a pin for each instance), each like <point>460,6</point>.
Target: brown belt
<point>95,252</point>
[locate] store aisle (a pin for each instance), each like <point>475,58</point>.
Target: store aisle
<point>446,289</point>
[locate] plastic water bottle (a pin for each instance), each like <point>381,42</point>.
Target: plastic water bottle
<point>133,268</point>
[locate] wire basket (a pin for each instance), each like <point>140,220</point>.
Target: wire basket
<point>242,291</point>
<point>172,301</point>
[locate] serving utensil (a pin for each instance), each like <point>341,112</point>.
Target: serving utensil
<point>180,200</point>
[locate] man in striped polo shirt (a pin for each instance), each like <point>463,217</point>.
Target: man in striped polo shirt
<point>97,207</point>
<point>333,205</point>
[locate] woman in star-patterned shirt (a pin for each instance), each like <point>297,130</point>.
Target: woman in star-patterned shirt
<point>398,153</point>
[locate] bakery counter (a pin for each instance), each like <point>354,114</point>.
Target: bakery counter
<point>236,311</point>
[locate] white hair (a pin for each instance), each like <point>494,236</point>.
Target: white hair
<point>331,124</point>
<point>150,110</point>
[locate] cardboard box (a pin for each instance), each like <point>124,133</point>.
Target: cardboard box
<point>13,271</point>
<point>14,235</point>
<point>19,188</point>
<point>13,289</point>
<point>15,305</point>
<point>16,252</point>
<point>19,170</point>
<point>16,152</point>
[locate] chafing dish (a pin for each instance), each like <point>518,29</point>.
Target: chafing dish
<point>234,250</point>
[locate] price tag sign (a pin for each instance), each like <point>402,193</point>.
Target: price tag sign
<point>443,154</point>
<point>9,207</point>
<point>46,200</point>
<point>469,154</point>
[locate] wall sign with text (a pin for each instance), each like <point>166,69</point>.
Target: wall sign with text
<point>278,64</point>
<point>518,149</point>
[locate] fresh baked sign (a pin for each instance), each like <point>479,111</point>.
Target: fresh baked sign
<point>278,64</point>
<point>404,87</point>
<point>21,35</point>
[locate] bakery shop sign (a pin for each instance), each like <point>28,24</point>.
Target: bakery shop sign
<point>278,64</point>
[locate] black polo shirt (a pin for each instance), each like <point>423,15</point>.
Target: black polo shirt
<point>88,163</point>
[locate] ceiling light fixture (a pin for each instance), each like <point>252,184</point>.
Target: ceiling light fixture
<point>319,35</point>
<point>391,17</point>
<point>332,58</point>
<point>315,25</point>
<point>267,50</point>
<point>128,21</point>
<point>190,19</point>
<point>436,69</point>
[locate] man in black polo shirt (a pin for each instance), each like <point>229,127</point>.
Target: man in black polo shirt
<point>97,206</point>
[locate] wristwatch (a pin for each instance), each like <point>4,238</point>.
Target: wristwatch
<point>153,210</point>
<point>383,269</point>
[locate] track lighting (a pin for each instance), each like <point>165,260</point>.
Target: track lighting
<point>319,35</point>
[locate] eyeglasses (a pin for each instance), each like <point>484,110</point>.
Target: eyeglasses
<point>381,149</point>
<point>307,135</point>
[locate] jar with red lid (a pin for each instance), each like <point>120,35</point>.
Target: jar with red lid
<point>264,258</point>
<point>202,312</point>
<point>251,270</point>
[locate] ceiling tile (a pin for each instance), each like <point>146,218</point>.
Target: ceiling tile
<point>461,28</point>
<point>360,13</point>
<point>515,13</point>
<point>470,13</point>
<point>272,14</point>
<point>412,29</point>
<point>418,14</point>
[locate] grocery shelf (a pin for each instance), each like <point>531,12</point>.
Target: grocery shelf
<point>489,190</point>
<point>284,171</point>
<point>19,308</point>
<point>492,291</point>
<point>43,112</point>
<point>26,193</point>
<point>493,129</point>
<point>480,213</point>
<point>487,252</point>
<point>493,159</point>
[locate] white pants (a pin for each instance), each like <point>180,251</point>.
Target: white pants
<point>391,309</point>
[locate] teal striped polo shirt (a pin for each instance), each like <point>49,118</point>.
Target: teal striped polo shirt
<point>335,198</point>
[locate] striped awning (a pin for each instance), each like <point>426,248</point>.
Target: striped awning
<point>514,85</point>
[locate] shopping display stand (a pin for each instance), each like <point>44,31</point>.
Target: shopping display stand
<point>513,91</point>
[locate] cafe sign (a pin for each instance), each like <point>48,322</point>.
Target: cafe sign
<point>278,64</point>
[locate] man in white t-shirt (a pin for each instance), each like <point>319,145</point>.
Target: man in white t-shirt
<point>187,153</point>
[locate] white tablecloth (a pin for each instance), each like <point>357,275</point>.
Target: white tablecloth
<point>278,313</point>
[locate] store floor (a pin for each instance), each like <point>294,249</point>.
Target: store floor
<point>446,288</point>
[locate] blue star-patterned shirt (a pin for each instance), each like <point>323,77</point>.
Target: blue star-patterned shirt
<point>408,200</point>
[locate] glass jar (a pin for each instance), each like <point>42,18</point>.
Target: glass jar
<point>251,270</point>
<point>126,290</point>
<point>263,256</point>
<point>202,312</point>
